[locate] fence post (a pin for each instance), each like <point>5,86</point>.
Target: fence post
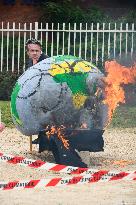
<point>36,30</point>
<point>89,43</point>
<point>132,40</point>
<point>97,45</point>
<point>2,48</point>
<point>13,48</point>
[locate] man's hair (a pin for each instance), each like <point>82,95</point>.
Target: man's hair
<point>32,41</point>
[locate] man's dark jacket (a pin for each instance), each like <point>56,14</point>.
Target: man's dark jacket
<point>29,63</point>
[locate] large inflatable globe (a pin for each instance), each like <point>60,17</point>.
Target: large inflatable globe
<point>60,90</point>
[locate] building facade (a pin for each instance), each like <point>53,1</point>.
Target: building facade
<point>19,11</point>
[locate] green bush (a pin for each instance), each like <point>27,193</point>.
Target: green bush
<point>67,12</point>
<point>7,82</point>
<point>17,50</point>
<point>130,17</point>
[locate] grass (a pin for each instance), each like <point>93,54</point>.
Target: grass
<point>5,113</point>
<point>124,116</point>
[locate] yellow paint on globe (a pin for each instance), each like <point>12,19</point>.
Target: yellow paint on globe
<point>65,68</point>
<point>79,100</point>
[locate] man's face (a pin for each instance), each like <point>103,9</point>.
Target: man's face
<point>34,51</point>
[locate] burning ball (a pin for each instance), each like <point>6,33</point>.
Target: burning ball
<point>60,90</point>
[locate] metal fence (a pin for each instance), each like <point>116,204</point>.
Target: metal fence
<point>93,42</point>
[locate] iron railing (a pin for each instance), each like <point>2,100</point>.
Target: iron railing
<point>92,42</point>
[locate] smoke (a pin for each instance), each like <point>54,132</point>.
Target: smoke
<point>127,60</point>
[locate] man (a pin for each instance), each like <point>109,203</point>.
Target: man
<point>35,54</point>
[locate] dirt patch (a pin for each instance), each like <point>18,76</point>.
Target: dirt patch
<point>119,154</point>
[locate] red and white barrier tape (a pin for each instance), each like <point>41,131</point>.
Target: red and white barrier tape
<point>38,164</point>
<point>43,183</point>
<point>86,175</point>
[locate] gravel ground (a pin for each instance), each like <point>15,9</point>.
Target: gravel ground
<point>120,144</point>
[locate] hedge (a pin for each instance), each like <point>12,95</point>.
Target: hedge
<point>7,82</point>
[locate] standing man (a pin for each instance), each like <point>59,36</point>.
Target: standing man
<point>34,52</point>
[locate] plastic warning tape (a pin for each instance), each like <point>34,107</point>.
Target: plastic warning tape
<point>85,175</point>
<point>38,164</point>
<point>100,176</point>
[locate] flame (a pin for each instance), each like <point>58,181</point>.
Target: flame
<point>59,132</point>
<point>117,75</point>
